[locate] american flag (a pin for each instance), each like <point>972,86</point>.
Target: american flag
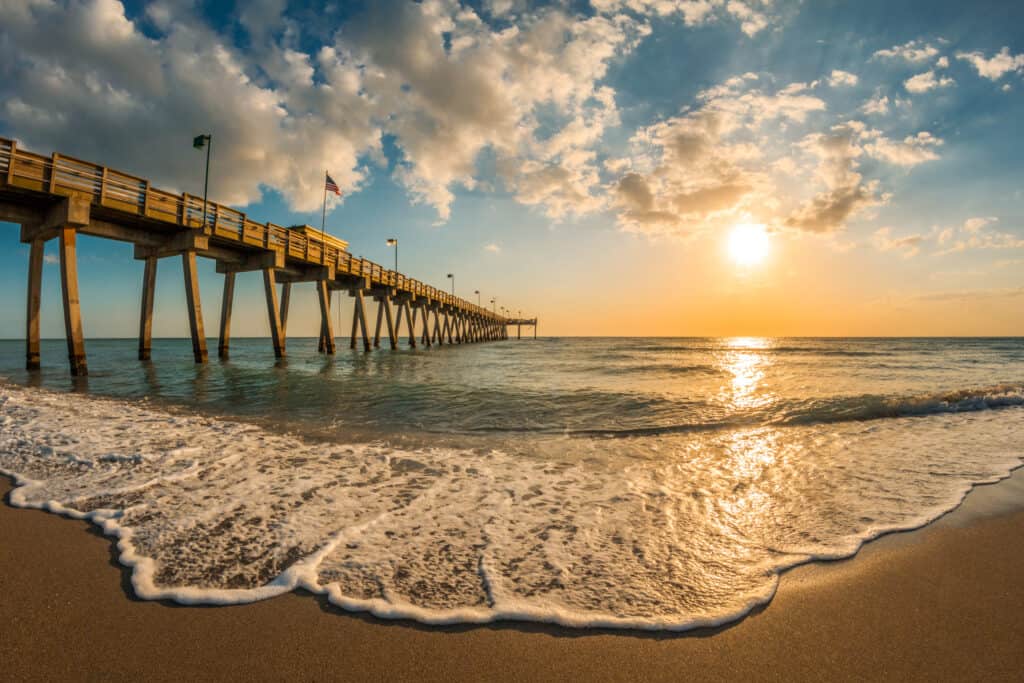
<point>332,186</point>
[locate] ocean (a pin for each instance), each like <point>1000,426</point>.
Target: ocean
<point>646,483</point>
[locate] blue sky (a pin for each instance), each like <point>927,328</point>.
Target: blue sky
<point>585,162</point>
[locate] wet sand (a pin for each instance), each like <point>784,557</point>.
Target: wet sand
<point>943,603</point>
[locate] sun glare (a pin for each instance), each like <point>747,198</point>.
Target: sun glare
<point>748,244</point>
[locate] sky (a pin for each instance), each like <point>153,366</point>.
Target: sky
<point>587,163</point>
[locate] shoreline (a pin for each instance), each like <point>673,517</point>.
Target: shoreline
<point>942,601</point>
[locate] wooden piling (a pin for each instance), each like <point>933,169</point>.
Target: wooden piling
<point>326,330</point>
<point>392,328</point>
<point>195,309</point>
<point>146,314</point>
<point>359,315</point>
<point>35,287</point>
<point>378,324</point>
<point>286,297</point>
<point>72,306</point>
<point>412,328</point>
<point>273,312</point>
<point>225,315</point>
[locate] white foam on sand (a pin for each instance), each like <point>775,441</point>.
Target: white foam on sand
<point>667,532</point>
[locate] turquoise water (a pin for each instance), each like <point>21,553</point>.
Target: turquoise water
<point>651,483</point>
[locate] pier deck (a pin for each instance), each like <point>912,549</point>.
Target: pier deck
<point>59,197</point>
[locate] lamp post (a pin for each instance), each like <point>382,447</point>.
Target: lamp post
<point>451,276</point>
<point>477,292</point>
<point>393,242</point>
<point>198,142</point>
<point>494,306</point>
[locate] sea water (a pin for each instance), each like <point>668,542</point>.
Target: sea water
<point>641,483</point>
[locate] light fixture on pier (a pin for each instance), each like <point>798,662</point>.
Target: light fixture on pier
<point>451,276</point>
<point>477,292</point>
<point>393,242</point>
<point>198,142</point>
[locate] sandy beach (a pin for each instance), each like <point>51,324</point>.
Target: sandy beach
<point>941,603</point>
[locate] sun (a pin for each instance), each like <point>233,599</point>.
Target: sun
<point>748,244</point>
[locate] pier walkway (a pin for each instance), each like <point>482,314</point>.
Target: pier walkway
<point>59,197</point>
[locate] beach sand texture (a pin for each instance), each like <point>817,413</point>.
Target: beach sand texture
<point>943,603</point>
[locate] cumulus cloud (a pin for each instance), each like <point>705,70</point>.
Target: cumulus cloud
<point>492,248</point>
<point>912,51</point>
<point>846,193</point>
<point>707,166</point>
<point>995,67</point>
<point>923,82</point>
<point>435,77</point>
<point>841,78</point>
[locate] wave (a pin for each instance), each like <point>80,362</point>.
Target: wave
<point>869,407</point>
<point>833,411</point>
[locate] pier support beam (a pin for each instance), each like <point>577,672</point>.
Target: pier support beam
<point>326,330</point>
<point>72,306</point>
<point>273,312</point>
<point>146,314</point>
<point>225,315</point>
<point>409,322</point>
<point>286,298</point>
<point>35,287</point>
<point>195,309</point>
<point>359,320</point>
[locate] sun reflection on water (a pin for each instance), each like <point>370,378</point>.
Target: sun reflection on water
<point>745,358</point>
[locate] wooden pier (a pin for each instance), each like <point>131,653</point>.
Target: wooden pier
<point>59,197</point>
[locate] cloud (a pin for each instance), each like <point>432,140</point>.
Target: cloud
<point>877,105</point>
<point>434,77</point>
<point>923,82</point>
<point>975,234</point>
<point>706,168</point>
<point>911,151</point>
<point>995,67</point>
<point>841,78</point>
<point>492,248</point>
<point>910,245</point>
<point>753,15</point>
<point>973,225</point>
<point>51,259</point>
<point>972,294</point>
<point>751,20</point>
<point>912,51</point>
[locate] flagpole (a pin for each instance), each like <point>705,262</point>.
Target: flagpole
<point>323,218</point>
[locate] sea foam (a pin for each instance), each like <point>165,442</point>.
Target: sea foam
<point>668,532</point>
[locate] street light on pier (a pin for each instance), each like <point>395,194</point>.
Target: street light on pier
<point>198,142</point>
<point>494,306</point>
<point>451,276</point>
<point>393,242</point>
<point>477,292</point>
